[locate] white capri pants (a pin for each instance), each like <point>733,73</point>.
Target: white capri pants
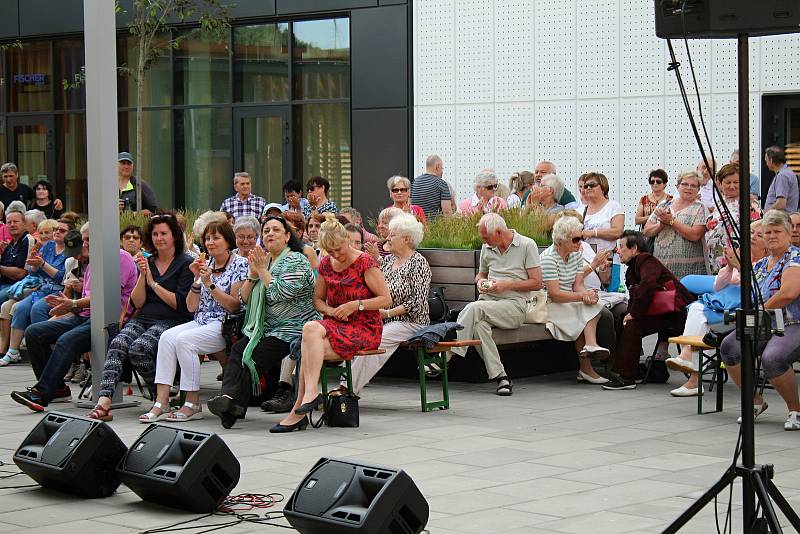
<point>696,322</point>
<point>181,345</point>
<point>366,367</point>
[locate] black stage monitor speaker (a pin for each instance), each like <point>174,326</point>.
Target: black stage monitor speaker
<point>184,469</point>
<point>73,454</point>
<point>725,18</point>
<point>344,497</point>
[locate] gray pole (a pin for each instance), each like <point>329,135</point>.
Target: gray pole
<point>101,157</point>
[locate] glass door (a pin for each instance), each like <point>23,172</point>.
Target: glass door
<point>781,126</point>
<point>261,141</point>
<point>31,147</point>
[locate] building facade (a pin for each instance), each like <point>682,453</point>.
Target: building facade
<point>299,88</point>
<point>584,83</point>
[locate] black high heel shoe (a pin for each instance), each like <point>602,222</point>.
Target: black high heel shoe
<point>282,429</point>
<point>309,406</point>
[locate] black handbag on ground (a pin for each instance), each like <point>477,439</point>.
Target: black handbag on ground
<point>342,412</point>
<point>437,306</point>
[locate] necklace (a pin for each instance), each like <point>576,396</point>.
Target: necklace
<point>222,269</point>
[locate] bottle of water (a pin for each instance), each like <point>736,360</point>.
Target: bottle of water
<point>616,268</point>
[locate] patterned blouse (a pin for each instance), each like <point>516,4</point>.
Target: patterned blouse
<point>769,281</point>
<point>408,286</point>
<point>328,207</point>
<point>209,309</point>
<point>290,298</point>
<point>719,225</point>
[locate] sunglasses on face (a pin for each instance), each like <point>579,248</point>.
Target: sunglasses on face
<point>576,240</point>
<point>490,187</point>
<point>656,181</point>
<point>399,190</point>
<point>161,216</point>
<point>590,185</point>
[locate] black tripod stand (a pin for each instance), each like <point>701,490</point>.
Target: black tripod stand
<point>756,479</point>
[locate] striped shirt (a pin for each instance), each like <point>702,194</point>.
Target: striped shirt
<point>290,298</point>
<point>428,191</point>
<point>555,268</point>
<point>254,205</point>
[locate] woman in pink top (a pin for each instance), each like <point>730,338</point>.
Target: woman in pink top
<point>400,191</point>
<point>484,200</point>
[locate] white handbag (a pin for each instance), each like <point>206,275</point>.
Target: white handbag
<point>536,311</point>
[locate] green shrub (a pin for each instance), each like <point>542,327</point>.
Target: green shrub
<point>460,232</point>
<point>128,217</point>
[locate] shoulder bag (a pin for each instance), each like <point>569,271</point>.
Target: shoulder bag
<point>536,311</point>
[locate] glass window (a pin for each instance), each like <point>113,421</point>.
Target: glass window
<point>261,63</point>
<point>324,147</point>
<point>203,156</point>
<point>71,162</point>
<point>155,167</point>
<point>156,90</point>
<point>30,77</point>
<point>321,59</point>
<point>69,67</point>
<point>201,71</point>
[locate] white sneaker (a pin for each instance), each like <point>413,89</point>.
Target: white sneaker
<point>792,423</point>
<point>683,391</point>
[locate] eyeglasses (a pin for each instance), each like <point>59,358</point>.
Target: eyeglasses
<point>576,240</point>
<point>687,184</point>
<point>399,190</point>
<point>60,230</point>
<point>590,185</point>
<point>659,182</point>
<point>491,187</point>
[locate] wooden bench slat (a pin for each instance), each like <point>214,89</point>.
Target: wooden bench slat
<point>691,341</point>
<point>369,352</point>
<point>461,343</point>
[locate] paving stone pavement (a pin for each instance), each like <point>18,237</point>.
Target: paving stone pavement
<point>555,457</point>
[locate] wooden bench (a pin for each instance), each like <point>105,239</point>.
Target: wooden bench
<point>712,362</point>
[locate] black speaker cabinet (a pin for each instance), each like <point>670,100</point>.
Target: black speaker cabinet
<point>725,18</point>
<point>74,454</point>
<point>344,497</point>
<point>181,468</point>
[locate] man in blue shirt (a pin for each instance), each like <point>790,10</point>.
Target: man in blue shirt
<point>783,191</point>
<point>14,254</point>
<point>755,181</point>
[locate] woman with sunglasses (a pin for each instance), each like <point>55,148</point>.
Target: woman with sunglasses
<point>679,226</point>
<point>400,191</point>
<point>573,311</point>
<point>658,193</point>
<point>603,219</point>
<point>722,224</point>
<point>318,202</point>
<point>214,293</point>
<point>160,298</point>
<point>485,199</point>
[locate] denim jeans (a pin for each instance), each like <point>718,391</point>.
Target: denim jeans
<point>40,311</point>
<point>23,313</point>
<point>72,337</point>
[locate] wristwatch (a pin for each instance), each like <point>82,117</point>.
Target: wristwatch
<point>360,305</point>
<point>212,287</point>
<point>74,305</point>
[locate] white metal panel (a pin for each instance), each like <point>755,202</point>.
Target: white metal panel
<point>434,52</point>
<point>700,50</point>
<point>681,151</point>
<point>475,145</point>
<point>555,35</point>
<point>642,64</point>
<point>641,149</point>
<point>514,139</point>
<point>598,50</point>
<point>555,138</point>
<point>474,51</point>
<point>726,65</point>
<point>780,63</point>
<point>725,120</point>
<point>598,140</point>
<point>435,133</point>
<point>514,51</point>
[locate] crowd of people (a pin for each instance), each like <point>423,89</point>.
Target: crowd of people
<point>272,290</point>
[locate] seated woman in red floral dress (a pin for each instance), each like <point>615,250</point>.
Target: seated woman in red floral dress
<point>350,293</point>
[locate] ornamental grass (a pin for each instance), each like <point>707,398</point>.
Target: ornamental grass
<point>460,232</point>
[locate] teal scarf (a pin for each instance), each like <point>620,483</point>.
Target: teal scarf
<point>254,324</point>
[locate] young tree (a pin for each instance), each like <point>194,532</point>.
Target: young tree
<point>151,21</point>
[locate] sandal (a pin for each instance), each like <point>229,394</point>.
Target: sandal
<point>151,417</point>
<point>100,413</point>
<point>504,387</point>
<point>180,417</point>
<point>432,370</point>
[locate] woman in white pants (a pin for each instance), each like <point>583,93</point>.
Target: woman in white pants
<point>408,276</point>
<point>214,292</point>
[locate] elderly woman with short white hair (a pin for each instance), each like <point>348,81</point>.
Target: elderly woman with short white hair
<point>408,276</point>
<point>573,311</point>
<point>33,218</point>
<point>246,230</point>
<point>484,200</point>
<point>400,192</point>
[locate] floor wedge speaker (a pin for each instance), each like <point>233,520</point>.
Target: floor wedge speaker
<point>181,468</point>
<point>346,497</point>
<point>74,454</point>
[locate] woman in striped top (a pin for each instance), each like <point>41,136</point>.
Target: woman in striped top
<point>279,294</point>
<point>573,311</point>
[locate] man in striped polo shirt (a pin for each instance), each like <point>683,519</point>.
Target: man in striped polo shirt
<point>430,192</point>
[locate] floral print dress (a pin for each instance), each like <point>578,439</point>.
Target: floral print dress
<point>363,329</point>
<point>720,228</point>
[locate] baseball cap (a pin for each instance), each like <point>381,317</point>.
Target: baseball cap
<point>73,244</point>
<point>125,156</point>
<point>273,206</point>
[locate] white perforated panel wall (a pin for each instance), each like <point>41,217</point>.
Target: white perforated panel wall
<point>505,83</point>
<point>555,39</point>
